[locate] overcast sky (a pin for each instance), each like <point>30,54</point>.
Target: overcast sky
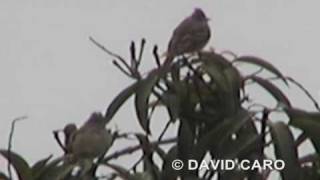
<point>52,73</point>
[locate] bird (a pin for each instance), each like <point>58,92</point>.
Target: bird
<point>191,35</point>
<point>82,146</point>
<point>92,140</point>
<point>68,132</point>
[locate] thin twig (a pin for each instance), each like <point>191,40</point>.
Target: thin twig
<point>158,85</point>
<point>164,130</point>
<point>305,91</point>
<point>10,143</point>
<point>156,55</point>
<point>110,53</point>
<point>134,166</point>
<point>143,42</point>
<point>121,68</point>
<point>257,72</point>
<point>134,62</point>
<point>133,55</point>
<point>130,150</point>
<point>301,138</point>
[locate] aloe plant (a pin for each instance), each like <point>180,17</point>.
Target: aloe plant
<point>206,95</point>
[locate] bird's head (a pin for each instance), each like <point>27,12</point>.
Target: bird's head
<point>69,129</point>
<point>199,15</point>
<point>96,118</point>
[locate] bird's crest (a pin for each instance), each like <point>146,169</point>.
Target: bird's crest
<point>199,14</point>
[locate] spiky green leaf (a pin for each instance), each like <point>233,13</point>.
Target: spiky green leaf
<point>120,99</point>
<point>273,90</point>
<point>262,63</point>
<point>285,150</point>
<point>20,165</point>
<point>142,99</point>
<point>309,122</point>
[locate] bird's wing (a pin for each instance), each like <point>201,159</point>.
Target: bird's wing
<point>188,37</point>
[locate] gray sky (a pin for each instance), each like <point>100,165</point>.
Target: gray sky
<point>50,71</point>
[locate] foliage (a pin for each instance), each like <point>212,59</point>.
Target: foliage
<point>206,96</point>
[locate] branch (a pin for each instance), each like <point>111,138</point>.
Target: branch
<point>130,150</point>
<point>10,143</point>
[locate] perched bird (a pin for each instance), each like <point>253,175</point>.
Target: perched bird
<point>68,132</point>
<point>81,146</point>
<point>191,35</point>
<point>92,139</point>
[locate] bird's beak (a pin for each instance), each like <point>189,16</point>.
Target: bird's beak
<point>208,19</point>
